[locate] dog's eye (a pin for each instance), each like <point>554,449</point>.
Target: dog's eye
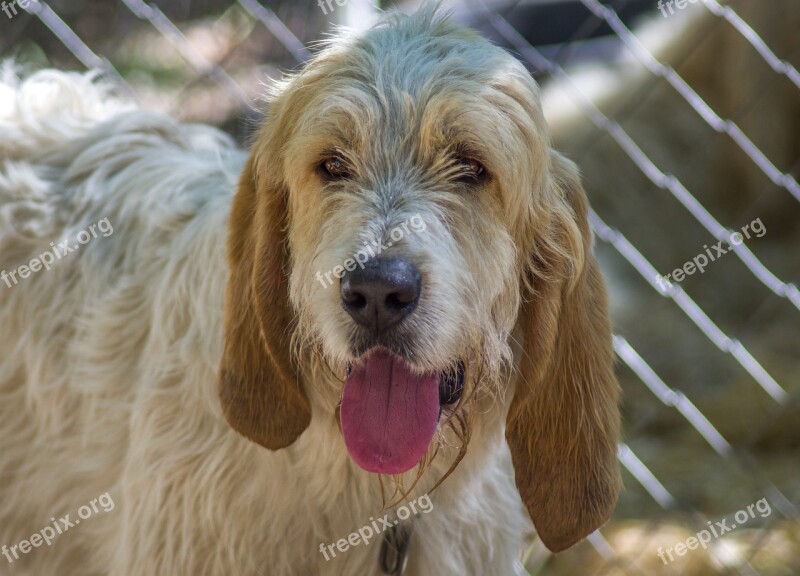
<point>470,170</point>
<point>335,168</point>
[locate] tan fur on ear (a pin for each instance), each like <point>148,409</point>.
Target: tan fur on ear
<point>563,424</point>
<point>261,394</point>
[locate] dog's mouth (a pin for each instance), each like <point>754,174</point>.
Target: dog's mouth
<point>389,412</point>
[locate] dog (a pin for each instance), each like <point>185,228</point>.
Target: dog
<point>179,356</point>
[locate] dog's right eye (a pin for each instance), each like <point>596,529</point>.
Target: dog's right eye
<point>335,168</point>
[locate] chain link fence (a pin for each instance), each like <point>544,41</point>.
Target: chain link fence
<point>684,116</point>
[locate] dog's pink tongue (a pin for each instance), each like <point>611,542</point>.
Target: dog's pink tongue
<point>388,413</point>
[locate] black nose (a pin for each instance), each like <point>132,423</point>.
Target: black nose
<point>382,293</point>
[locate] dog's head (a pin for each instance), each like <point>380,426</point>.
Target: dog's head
<point>403,218</point>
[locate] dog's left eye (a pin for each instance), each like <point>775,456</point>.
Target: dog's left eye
<point>335,168</point>
<point>470,170</point>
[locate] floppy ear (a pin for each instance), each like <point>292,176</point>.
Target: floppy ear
<point>563,423</point>
<point>261,394</point>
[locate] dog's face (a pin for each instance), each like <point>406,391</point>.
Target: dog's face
<point>401,215</point>
<point>413,181</point>
<point>404,202</point>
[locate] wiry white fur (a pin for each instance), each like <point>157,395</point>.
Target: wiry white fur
<point>108,373</point>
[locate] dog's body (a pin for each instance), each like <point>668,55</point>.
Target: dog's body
<point>110,363</point>
<point>109,384</point>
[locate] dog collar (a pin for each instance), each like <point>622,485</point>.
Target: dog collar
<point>394,549</point>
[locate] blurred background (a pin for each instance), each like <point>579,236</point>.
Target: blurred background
<point>684,117</point>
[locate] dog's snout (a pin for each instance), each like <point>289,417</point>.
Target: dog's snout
<point>382,293</point>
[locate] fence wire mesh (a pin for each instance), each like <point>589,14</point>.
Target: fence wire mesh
<point>681,139</point>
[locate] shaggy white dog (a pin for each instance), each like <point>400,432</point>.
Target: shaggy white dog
<point>120,361</point>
